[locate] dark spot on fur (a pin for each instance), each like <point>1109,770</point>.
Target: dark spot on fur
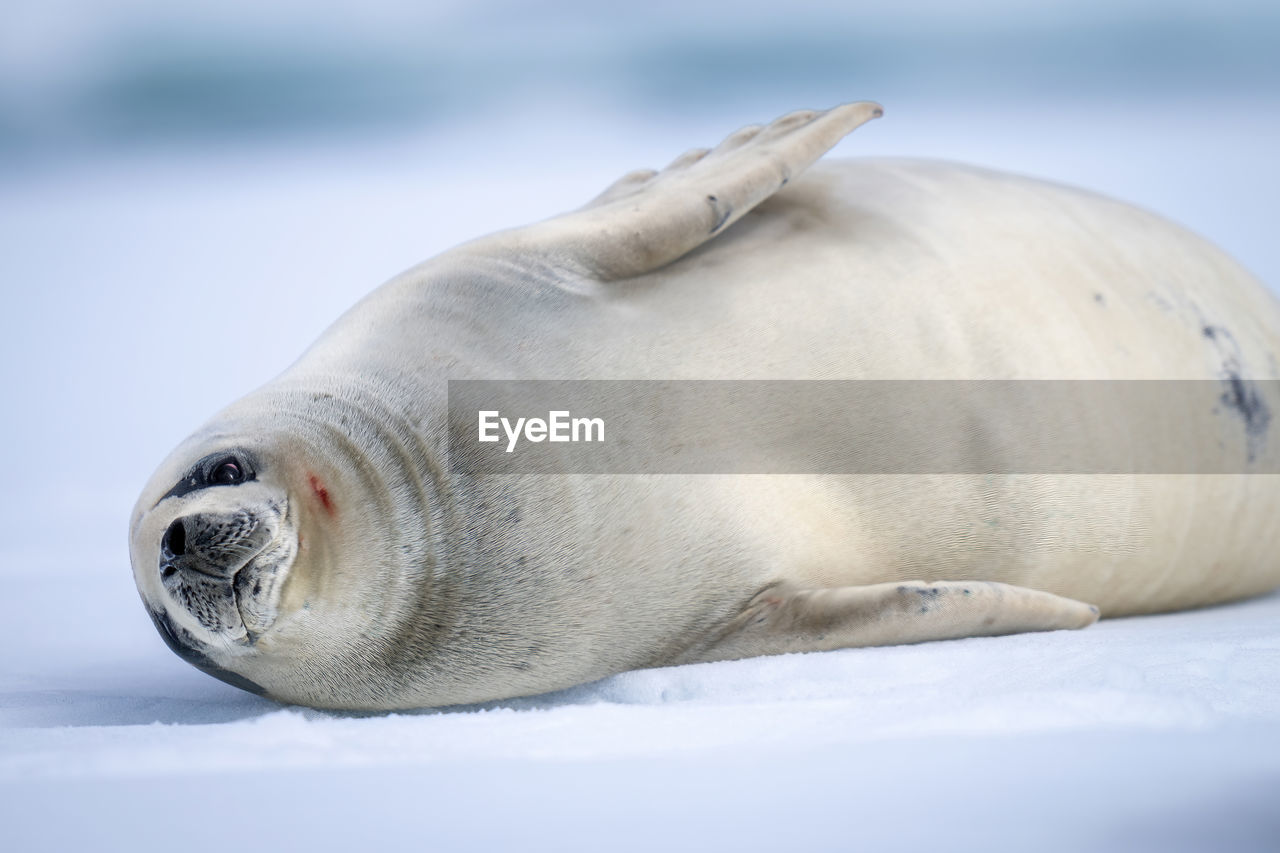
<point>1099,298</point>
<point>1242,397</point>
<point>721,211</point>
<point>1239,395</point>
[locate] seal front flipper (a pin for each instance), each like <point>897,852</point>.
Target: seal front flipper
<point>647,219</point>
<point>784,619</point>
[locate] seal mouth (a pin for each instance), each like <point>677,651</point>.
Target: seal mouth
<point>239,581</point>
<point>258,584</point>
<point>248,586</point>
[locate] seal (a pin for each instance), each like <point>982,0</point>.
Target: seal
<point>312,542</point>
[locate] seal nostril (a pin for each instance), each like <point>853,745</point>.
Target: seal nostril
<point>175,539</point>
<point>167,571</point>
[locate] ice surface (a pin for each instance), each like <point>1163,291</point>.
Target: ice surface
<point>1155,733</point>
<point>143,293</point>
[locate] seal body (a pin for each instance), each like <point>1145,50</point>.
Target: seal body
<point>340,562</point>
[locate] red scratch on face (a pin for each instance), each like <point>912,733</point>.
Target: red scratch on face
<point>322,493</point>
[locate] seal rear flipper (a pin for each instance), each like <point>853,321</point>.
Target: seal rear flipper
<point>784,619</point>
<point>647,219</point>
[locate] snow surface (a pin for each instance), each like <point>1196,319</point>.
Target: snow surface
<point>145,291</point>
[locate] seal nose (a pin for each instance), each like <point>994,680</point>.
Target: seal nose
<point>175,539</point>
<point>214,544</point>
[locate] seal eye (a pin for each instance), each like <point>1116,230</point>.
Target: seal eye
<point>227,473</point>
<point>225,468</point>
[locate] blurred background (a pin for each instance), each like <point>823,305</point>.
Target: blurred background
<point>81,76</point>
<point>190,193</point>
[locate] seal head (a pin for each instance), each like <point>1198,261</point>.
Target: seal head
<point>212,542</point>
<point>287,546</point>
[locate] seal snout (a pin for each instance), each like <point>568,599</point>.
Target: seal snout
<point>223,566</point>
<point>214,544</point>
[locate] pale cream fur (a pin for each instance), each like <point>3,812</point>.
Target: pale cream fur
<point>418,588</point>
